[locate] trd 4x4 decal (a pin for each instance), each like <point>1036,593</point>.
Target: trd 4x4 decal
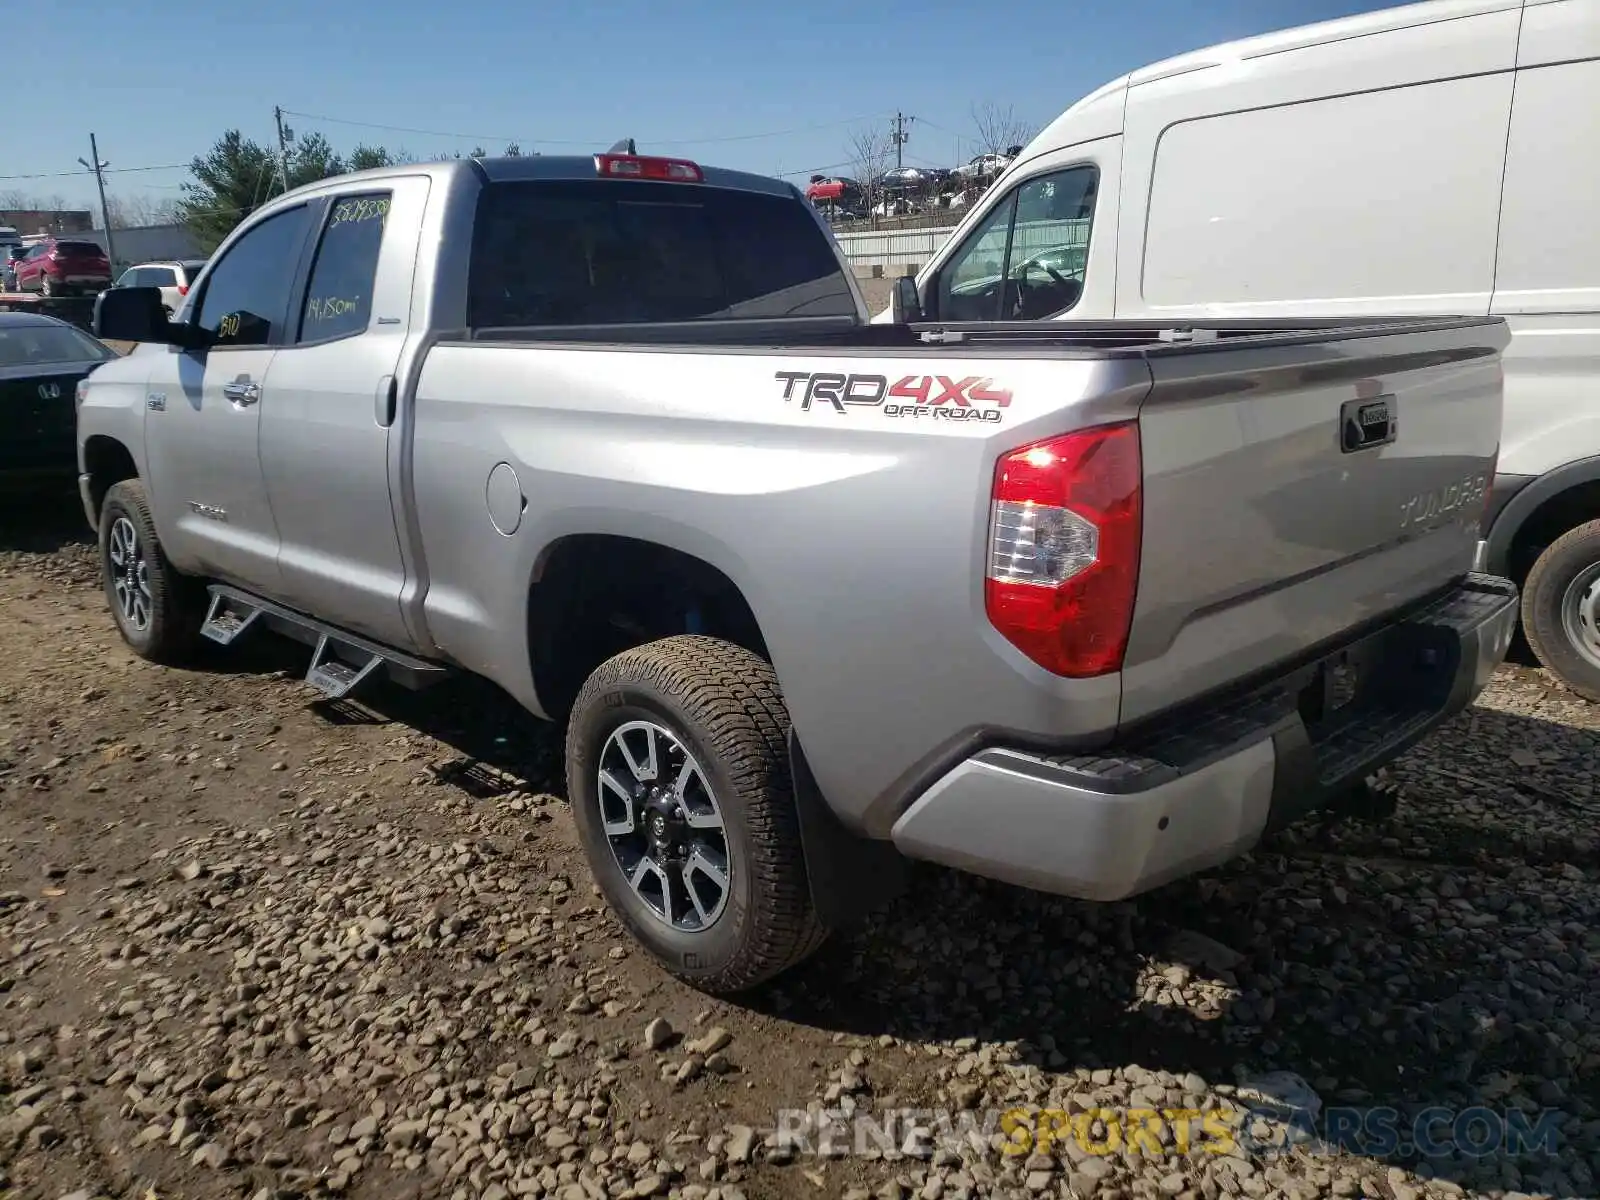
<point>936,397</point>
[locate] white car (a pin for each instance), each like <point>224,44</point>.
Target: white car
<point>173,276</point>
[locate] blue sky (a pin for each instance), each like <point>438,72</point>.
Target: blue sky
<point>764,86</point>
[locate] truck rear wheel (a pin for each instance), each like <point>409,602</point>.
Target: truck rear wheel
<point>678,775</point>
<point>1561,609</point>
<point>158,610</point>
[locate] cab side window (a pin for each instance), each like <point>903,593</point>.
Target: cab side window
<point>246,298</point>
<point>339,299</point>
<point>1027,259</point>
<point>969,283</point>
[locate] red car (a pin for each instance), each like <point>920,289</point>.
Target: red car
<point>62,266</point>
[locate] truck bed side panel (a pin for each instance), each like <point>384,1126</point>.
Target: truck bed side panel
<point>857,535</point>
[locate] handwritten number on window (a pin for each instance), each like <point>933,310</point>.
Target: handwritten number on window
<point>340,297</point>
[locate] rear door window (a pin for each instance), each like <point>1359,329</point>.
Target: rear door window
<point>339,299</point>
<point>606,252</point>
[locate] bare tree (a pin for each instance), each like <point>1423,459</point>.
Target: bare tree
<point>135,212</point>
<point>1000,128</point>
<point>871,153</point>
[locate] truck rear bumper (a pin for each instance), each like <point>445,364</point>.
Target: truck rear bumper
<point>1200,786</point>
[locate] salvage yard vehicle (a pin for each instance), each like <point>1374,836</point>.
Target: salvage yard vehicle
<point>42,362</point>
<point>1086,608</point>
<point>1468,115</point>
<point>63,266</point>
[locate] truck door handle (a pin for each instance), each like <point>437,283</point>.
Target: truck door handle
<point>242,392</point>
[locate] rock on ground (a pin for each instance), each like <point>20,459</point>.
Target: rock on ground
<point>252,945</point>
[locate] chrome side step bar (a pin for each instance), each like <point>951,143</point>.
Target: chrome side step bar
<point>340,660</point>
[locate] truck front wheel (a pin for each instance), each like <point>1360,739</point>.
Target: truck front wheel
<point>1561,609</point>
<point>158,610</point>
<point>678,775</point>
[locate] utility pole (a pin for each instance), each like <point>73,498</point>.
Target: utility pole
<point>283,145</point>
<point>902,135</point>
<point>98,168</point>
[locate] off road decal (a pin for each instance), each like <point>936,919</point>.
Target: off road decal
<point>935,397</point>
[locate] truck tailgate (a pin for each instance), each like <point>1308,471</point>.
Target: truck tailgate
<point>1297,491</point>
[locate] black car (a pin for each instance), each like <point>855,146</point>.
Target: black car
<point>41,361</point>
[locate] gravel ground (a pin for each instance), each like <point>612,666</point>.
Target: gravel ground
<point>257,945</point>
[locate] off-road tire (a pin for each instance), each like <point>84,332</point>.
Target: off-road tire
<point>177,602</point>
<point>1543,594</point>
<point>724,704</point>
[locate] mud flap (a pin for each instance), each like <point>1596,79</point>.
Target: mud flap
<point>850,875</point>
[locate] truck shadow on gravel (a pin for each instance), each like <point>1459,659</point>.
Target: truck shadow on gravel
<point>1448,957</point>
<point>42,517</point>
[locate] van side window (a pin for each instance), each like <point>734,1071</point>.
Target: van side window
<point>1027,258</point>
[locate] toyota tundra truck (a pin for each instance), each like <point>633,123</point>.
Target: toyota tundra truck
<point>1083,607</point>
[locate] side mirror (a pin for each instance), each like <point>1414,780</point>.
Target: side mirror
<point>138,314</point>
<point>905,304</point>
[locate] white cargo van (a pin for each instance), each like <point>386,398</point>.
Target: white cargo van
<point>1434,158</point>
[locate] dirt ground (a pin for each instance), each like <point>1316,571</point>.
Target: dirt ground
<point>256,944</point>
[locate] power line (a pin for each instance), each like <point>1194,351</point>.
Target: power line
<point>838,166</point>
<point>482,138</point>
<point>110,171</point>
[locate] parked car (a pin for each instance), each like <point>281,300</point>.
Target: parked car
<point>8,266</point>
<point>11,248</point>
<point>1084,609</point>
<point>833,189</point>
<point>63,266</point>
<point>983,167</point>
<point>42,361</point>
<point>173,276</point>
<point>1479,93</point>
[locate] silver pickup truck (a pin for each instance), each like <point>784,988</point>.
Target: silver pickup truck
<point>1086,608</point>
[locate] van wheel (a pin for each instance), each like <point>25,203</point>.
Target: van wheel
<point>678,774</point>
<point>1561,609</point>
<point>158,610</point>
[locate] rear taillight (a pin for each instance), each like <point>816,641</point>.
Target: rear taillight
<point>633,166</point>
<point>1064,549</point>
<point>183,289</point>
